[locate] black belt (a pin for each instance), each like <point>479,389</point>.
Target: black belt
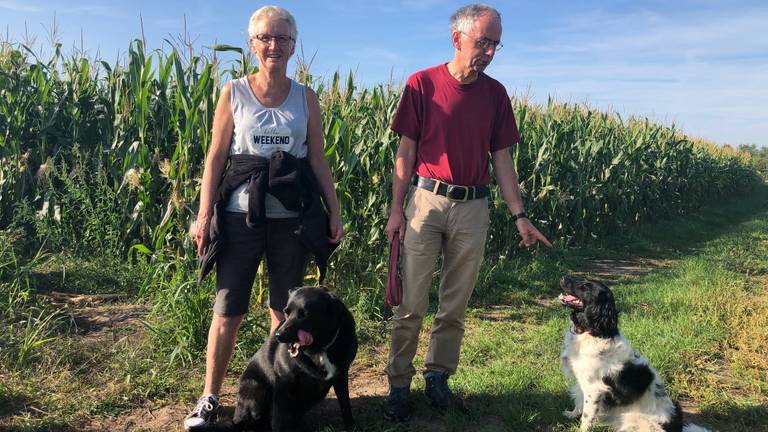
<point>452,192</point>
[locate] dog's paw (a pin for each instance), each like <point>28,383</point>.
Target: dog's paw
<point>573,414</point>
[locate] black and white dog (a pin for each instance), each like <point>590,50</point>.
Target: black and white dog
<point>615,386</point>
<point>308,354</point>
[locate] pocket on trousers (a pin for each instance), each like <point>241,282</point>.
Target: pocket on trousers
<point>410,206</point>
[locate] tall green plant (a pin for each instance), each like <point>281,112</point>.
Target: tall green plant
<point>108,157</point>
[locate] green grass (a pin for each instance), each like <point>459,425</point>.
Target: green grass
<point>696,319</point>
<point>72,274</point>
<point>701,319</point>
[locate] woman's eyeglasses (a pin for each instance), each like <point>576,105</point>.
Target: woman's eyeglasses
<point>266,39</point>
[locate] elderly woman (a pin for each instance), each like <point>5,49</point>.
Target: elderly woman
<point>269,129</point>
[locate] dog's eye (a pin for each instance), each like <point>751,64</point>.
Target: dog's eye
<point>300,313</point>
<point>286,311</point>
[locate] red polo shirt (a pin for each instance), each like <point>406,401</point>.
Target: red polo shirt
<point>455,125</point>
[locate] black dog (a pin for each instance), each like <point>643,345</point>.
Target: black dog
<point>296,367</point>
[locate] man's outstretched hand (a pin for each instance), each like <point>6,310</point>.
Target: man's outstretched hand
<point>530,234</point>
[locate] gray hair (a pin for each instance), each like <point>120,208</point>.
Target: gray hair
<point>272,12</point>
<point>463,20</point>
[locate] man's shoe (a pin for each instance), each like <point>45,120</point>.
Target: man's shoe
<point>398,405</point>
<point>439,393</point>
<point>203,414</point>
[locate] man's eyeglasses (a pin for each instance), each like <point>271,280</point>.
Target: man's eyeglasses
<point>266,39</point>
<point>485,43</point>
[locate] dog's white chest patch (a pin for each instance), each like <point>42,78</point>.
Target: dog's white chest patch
<point>329,367</point>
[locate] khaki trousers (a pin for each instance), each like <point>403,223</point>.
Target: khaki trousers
<point>436,224</point>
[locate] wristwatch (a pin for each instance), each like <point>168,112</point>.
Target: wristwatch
<point>520,215</point>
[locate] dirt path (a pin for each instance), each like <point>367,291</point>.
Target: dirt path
<point>368,384</point>
<point>99,317</point>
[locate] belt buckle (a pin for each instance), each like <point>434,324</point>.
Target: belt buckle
<point>451,188</point>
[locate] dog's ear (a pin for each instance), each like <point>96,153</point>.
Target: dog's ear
<point>602,315</point>
<point>572,281</point>
<point>342,314</point>
<point>335,306</point>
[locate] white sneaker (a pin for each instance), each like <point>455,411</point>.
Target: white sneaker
<point>203,414</point>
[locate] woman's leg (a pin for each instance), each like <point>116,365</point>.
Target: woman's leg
<point>236,269</point>
<point>277,317</point>
<point>221,343</point>
<point>286,264</point>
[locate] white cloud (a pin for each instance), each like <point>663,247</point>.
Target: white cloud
<point>708,73</point>
<point>17,6</point>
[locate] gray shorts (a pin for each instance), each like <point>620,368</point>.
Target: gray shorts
<point>239,259</point>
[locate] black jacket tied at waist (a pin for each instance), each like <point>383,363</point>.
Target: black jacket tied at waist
<point>288,179</point>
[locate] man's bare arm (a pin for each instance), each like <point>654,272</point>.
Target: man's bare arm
<point>401,176</point>
<point>506,178</point>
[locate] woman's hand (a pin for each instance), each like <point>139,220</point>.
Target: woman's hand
<point>336,227</point>
<point>200,232</point>
<point>319,165</point>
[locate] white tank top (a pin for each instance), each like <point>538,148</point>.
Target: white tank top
<point>261,131</point>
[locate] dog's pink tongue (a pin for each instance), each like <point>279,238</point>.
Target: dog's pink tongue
<point>569,298</point>
<point>304,338</point>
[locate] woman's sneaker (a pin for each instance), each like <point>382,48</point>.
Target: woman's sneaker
<point>203,414</point>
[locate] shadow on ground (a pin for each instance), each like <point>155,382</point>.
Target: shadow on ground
<point>502,412</point>
<point>21,404</point>
<point>751,418</point>
<point>13,403</point>
<point>523,411</point>
<point>66,273</point>
<point>670,238</point>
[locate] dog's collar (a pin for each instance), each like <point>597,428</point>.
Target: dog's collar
<point>325,348</point>
<point>308,364</point>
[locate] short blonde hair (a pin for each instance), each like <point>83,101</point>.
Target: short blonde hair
<point>272,12</point>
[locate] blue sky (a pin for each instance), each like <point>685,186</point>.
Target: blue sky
<point>700,64</point>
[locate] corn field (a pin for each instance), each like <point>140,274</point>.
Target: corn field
<point>107,158</point>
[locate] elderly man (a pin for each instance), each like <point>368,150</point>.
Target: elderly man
<point>452,119</point>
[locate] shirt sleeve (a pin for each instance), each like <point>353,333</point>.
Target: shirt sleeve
<point>408,117</point>
<point>505,132</point>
